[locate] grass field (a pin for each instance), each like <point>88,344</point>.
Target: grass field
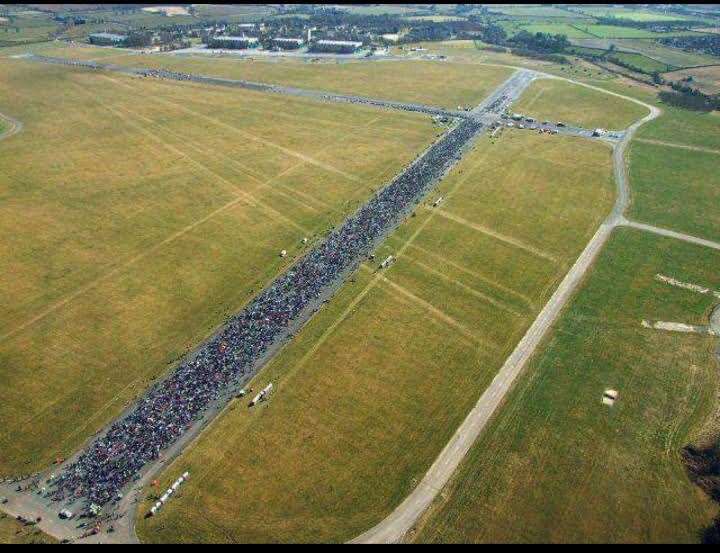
<point>370,391</point>
<point>566,29</point>
<point>683,126</point>
<point>641,62</point>
<point>434,83</point>
<point>664,54</point>
<point>134,219</point>
<point>13,533</point>
<point>533,11</point>
<point>556,465</point>
<point>576,105</point>
<point>632,14</point>
<point>676,188</point>
<point>613,31</point>
<point>707,79</point>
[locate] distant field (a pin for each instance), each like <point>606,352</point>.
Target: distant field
<point>652,49</point>
<point>556,465</point>
<point>134,219</point>
<point>533,11</point>
<point>558,29</point>
<point>576,105</point>
<point>430,82</point>
<point>371,390</point>
<point>707,79</point>
<point>435,18</point>
<point>632,14</point>
<point>13,533</point>
<point>676,188</point>
<point>613,31</point>
<point>642,63</point>
<point>684,127</point>
<point>28,28</point>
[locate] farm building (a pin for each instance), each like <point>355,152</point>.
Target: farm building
<point>233,42</point>
<point>336,46</point>
<point>287,43</point>
<point>107,39</point>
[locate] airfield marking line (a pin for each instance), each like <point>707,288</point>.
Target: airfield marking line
<point>463,286</point>
<point>262,179</point>
<point>14,127</point>
<point>264,141</point>
<point>287,151</point>
<point>67,299</point>
<point>674,145</point>
<point>437,313</point>
<point>526,299</point>
<point>498,236</point>
<point>96,413</point>
<point>262,184</point>
<point>239,192</point>
<point>672,234</point>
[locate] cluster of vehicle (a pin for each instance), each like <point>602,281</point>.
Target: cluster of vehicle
<point>524,122</point>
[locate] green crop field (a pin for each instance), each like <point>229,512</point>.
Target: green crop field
<point>533,11</point>
<point>135,218</point>
<point>566,29</point>
<point>613,31</point>
<point>373,387</point>
<point>556,465</point>
<point>429,82</point>
<point>632,15</point>
<point>664,54</point>
<point>13,533</point>
<point>676,188</point>
<point>576,105</point>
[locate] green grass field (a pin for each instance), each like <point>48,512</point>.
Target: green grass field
<point>632,14</point>
<point>135,217</point>
<point>613,31</point>
<point>372,388</point>
<point>683,126</point>
<point>566,29</point>
<point>556,465</point>
<point>576,105</point>
<point>13,533</point>
<point>434,83</point>
<point>533,11</point>
<point>676,188</point>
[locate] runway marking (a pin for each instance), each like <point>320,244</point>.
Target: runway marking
<point>498,236</point>
<point>492,301</point>
<point>442,259</point>
<point>680,146</point>
<point>438,313</point>
<point>264,141</point>
<point>262,184</point>
<point>90,285</point>
<point>252,200</point>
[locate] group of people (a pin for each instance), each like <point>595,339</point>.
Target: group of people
<point>204,380</point>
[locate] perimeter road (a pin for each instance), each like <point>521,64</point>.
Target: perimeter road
<point>394,528</point>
